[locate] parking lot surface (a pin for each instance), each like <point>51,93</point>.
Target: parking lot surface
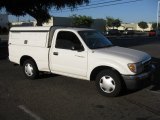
<point>54,97</point>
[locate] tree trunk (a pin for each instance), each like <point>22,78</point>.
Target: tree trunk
<point>39,22</point>
<point>40,17</point>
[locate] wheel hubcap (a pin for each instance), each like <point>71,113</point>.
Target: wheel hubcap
<point>28,69</point>
<point>107,84</point>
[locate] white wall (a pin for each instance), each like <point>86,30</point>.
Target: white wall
<point>132,26</point>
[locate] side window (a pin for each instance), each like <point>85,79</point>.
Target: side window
<point>68,40</point>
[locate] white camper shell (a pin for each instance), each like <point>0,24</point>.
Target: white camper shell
<point>31,36</point>
<point>33,42</point>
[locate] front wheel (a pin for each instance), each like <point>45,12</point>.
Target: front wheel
<point>30,69</point>
<point>108,83</point>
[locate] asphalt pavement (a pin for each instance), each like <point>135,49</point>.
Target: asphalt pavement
<point>54,97</point>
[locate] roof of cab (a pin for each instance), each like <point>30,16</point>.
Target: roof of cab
<point>76,29</point>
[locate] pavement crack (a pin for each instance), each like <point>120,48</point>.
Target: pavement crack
<point>154,111</point>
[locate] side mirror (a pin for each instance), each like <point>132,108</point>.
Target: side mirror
<point>78,48</point>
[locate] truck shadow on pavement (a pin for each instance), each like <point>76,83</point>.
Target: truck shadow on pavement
<point>47,75</point>
<point>156,76</point>
<point>3,50</point>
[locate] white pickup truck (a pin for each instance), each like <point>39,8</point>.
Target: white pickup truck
<point>79,53</point>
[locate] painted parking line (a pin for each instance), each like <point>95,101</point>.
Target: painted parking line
<point>29,112</point>
<point>157,92</point>
<point>152,90</point>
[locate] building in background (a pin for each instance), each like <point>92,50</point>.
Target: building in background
<point>133,26</point>
<point>62,21</point>
<point>98,24</point>
<point>4,20</point>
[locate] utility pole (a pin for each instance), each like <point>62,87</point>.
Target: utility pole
<point>18,19</point>
<point>158,13</point>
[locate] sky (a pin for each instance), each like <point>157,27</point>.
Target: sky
<point>128,11</point>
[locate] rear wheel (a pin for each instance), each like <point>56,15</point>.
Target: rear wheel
<point>108,83</point>
<point>30,69</point>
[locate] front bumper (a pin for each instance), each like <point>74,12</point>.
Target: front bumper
<point>133,82</point>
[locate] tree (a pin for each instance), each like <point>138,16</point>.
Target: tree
<point>143,25</point>
<point>117,23</point>
<point>111,22</point>
<point>38,9</point>
<point>82,21</point>
<point>9,25</point>
<point>154,26</point>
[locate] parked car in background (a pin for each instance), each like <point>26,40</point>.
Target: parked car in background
<point>113,32</point>
<point>158,32</point>
<point>129,32</point>
<point>152,33</point>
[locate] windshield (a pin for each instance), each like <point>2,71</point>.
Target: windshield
<point>94,39</point>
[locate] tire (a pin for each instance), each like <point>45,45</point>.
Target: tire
<point>108,83</point>
<point>30,69</point>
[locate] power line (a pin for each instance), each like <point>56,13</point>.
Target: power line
<point>104,2</point>
<point>114,4</point>
<point>86,7</point>
<point>96,0</point>
<point>96,3</point>
<point>97,6</point>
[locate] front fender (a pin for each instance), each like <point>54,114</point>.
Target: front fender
<point>122,69</point>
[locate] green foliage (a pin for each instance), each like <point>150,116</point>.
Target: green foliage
<point>154,26</point>
<point>117,23</point>
<point>143,25</point>
<point>111,22</point>
<point>82,21</point>
<point>38,9</point>
<point>9,25</point>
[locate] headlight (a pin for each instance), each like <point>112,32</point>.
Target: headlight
<point>135,67</point>
<point>132,67</point>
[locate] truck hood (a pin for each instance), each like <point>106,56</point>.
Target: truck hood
<point>123,54</point>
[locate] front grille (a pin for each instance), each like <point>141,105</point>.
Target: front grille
<point>147,66</point>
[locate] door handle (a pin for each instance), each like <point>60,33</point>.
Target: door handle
<point>80,56</point>
<point>25,41</point>
<point>55,53</point>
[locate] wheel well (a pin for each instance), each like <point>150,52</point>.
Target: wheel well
<point>97,70</point>
<point>24,58</point>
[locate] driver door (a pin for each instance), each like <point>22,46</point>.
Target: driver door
<point>69,55</point>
